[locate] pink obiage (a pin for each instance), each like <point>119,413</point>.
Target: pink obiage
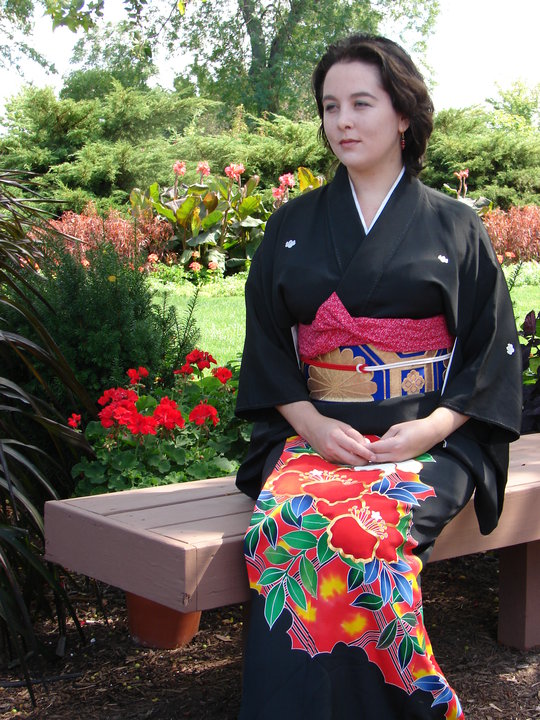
<point>333,327</point>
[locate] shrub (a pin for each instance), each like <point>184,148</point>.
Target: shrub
<point>515,232</point>
<point>102,316</point>
<point>128,238</point>
<point>37,449</point>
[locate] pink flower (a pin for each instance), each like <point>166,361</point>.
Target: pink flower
<point>195,267</point>
<point>234,170</point>
<point>287,180</point>
<point>278,192</point>
<point>179,168</point>
<point>153,258</point>
<point>212,265</point>
<point>203,168</point>
<point>74,421</point>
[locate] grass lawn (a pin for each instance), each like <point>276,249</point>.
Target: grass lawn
<point>220,311</point>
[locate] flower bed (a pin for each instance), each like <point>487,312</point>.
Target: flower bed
<point>155,436</point>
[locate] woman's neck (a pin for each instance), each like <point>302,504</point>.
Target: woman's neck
<point>371,191</point>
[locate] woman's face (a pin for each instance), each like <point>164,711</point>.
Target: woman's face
<point>359,120</point>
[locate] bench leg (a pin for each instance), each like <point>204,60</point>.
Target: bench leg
<point>519,595</point>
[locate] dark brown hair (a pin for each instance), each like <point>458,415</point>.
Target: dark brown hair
<point>400,79</point>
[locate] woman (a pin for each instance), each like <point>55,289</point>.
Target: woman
<point>381,368</point>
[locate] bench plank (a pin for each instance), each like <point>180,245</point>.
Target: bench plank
<point>181,545</point>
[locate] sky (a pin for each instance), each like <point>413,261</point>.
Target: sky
<point>477,45</point>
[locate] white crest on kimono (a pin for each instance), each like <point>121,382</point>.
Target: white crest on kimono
<point>510,349</point>
<point>290,243</point>
<point>412,466</point>
<point>443,259</point>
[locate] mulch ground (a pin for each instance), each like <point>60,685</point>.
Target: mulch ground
<point>109,677</point>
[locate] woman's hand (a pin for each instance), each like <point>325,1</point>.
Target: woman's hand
<point>407,440</point>
<point>332,439</point>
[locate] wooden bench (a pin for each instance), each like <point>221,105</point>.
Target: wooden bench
<point>181,545</point>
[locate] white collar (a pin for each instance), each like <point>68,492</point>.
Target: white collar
<point>382,205</point>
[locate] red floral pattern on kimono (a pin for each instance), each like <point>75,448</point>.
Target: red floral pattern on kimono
<point>331,545</point>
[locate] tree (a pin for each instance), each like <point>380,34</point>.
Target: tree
<point>261,54</point>
<point>118,51</point>
<point>520,101</point>
<point>500,150</point>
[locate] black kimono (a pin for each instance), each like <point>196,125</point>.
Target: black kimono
<point>334,553</point>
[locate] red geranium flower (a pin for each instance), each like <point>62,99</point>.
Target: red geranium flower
<point>200,358</point>
<point>74,421</point>
<point>168,415</point>
<point>222,373</point>
<point>201,412</point>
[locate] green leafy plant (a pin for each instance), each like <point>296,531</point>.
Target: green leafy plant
<point>147,437</point>
<point>37,448</point>
<point>530,351</point>
<point>103,317</point>
<point>218,222</point>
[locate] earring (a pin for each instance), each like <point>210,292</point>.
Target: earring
<point>402,141</point>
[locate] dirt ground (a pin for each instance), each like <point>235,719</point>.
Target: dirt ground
<point>111,678</point>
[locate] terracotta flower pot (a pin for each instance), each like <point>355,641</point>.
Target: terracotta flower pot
<point>157,626</point>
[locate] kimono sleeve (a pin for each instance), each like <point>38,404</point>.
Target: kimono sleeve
<point>484,379</point>
<point>269,374</point>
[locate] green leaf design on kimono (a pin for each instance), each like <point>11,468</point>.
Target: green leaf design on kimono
<point>270,530</point>
<point>425,457</point>
<point>275,602</point>
<point>270,576</point>
<point>300,540</point>
<point>301,450</point>
<point>296,592</point>
<point>278,555</point>
<point>252,540</point>
<point>388,635</point>
<point>308,575</point>
<point>410,619</point>
<point>324,553</point>
<point>355,578</point>
<point>405,652</point>
<point>267,504</point>
<point>403,525</point>
<point>356,564</point>
<point>314,522</point>
<point>367,600</point>
<point>256,518</point>
<point>288,515</point>
<point>420,649</point>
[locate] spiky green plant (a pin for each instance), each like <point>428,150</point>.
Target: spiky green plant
<point>37,448</point>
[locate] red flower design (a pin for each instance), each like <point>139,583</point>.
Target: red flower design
<point>201,412</point>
